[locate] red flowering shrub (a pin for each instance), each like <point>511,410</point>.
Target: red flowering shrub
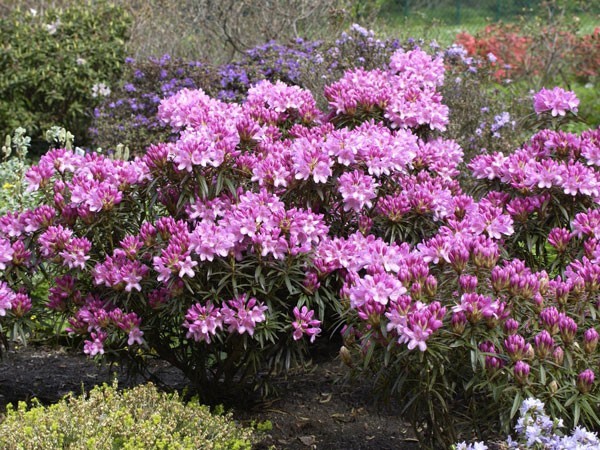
<point>504,43</point>
<point>517,54</point>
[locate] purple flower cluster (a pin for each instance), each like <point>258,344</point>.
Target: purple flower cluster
<point>535,429</point>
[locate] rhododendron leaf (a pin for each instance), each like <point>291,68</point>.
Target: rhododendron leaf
<point>188,287</point>
<point>204,191</point>
<point>219,184</point>
<point>589,410</point>
<point>576,413</point>
<point>288,284</point>
<point>386,356</point>
<point>369,355</point>
<point>542,375</point>
<point>516,404</point>
<point>571,400</point>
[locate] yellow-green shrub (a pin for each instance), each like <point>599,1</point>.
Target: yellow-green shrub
<point>138,418</point>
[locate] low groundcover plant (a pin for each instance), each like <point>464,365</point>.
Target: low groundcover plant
<point>108,418</point>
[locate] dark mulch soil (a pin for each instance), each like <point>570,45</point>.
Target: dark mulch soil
<point>310,411</point>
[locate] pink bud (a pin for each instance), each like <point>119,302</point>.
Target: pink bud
<point>585,381</point>
<point>590,340</point>
<point>521,372</point>
<point>558,355</point>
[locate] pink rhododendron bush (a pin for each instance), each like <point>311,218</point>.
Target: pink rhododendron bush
<point>270,224</point>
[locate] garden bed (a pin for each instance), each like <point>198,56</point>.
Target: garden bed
<point>312,410</point>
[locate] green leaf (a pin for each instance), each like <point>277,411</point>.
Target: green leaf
<point>516,405</point>
<point>571,400</point>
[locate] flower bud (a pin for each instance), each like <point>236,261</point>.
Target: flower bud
<point>590,340</point>
<point>558,355</point>
<point>543,344</point>
<point>416,290</point>
<point>521,372</point>
<point>365,223</point>
<point>468,283</point>
<point>559,238</point>
<point>459,257</point>
<point>458,322</point>
<point>567,327</point>
<point>553,386</point>
<point>492,363</point>
<point>21,305</point>
<point>549,319</point>
<point>430,286</point>
<point>511,326</point>
<point>345,356</point>
<point>500,278</point>
<point>311,283</point>
<point>585,381</point>
<point>516,347</point>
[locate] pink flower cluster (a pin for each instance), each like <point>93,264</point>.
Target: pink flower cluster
<point>551,161</point>
<point>239,315</point>
<point>97,317</point>
<point>305,324</point>
<point>7,298</point>
<point>405,93</point>
<point>95,183</point>
<point>557,101</point>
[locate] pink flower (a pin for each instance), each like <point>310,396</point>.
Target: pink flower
<point>130,323</point>
<point>311,160</point>
<point>75,253</point>
<point>103,197</point>
<point>421,322</point>
<point>305,324</point>
<point>357,190</point>
<point>132,273</point>
<point>6,253</point>
<point>7,297</point>
<point>417,68</point>
<point>243,314</point>
<point>96,345</point>
<point>379,288</point>
<point>557,101</point>
<point>209,240</point>
<point>359,89</point>
<point>277,102</point>
<point>202,322</point>
<point>477,307</point>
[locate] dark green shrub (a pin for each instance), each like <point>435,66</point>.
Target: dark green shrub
<point>51,61</point>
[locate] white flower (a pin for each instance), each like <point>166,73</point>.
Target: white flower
<point>100,90</point>
<point>51,28</point>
